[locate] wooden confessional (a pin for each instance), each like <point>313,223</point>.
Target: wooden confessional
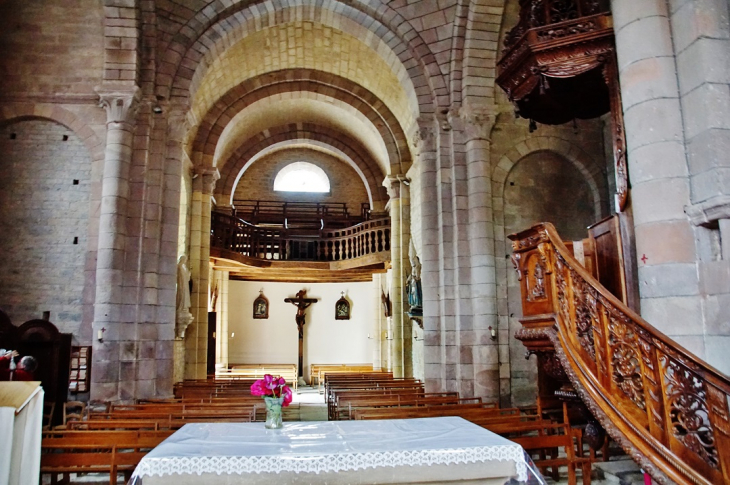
<point>52,350</point>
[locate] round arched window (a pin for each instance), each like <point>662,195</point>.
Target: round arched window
<point>301,177</point>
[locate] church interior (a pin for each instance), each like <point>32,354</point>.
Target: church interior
<point>520,207</point>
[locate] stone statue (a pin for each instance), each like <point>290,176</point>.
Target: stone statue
<point>413,284</point>
<point>183,317</point>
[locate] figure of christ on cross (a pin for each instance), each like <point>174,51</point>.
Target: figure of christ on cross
<point>302,304</point>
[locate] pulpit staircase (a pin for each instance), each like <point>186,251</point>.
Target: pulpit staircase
<point>664,406</point>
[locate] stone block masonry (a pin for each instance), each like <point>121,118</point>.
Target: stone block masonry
<point>44,218</point>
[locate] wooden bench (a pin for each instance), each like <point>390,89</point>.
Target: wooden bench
<point>109,452</point>
<point>347,403</point>
<point>541,439</point>
<point>258,371</point>
<point>316,369</point>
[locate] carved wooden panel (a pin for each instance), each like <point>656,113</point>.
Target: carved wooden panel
<point>669,410</point>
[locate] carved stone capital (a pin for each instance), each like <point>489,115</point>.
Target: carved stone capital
<point>707,212</point>
<point>177,124</point>
<point>120,102</point>
<point>424,139</point>
<point>208,177</point>
<point>444,120</point>
<point>478,122</point>
<point>392,184</point>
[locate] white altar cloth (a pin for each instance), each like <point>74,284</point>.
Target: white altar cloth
<point>429,450</point>
<point>21,420</point>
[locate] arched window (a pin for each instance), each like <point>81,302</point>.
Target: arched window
<point>301,177</point>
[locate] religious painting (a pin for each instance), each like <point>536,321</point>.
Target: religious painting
<point>342,309</point>
<point>261,307</point>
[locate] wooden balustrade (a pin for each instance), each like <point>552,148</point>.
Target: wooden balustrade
<point>667,408</point>
<point>235,234</point>
<point>534,14</point>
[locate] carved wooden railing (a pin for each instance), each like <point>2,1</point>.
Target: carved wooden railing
<point>663,405</point>
<point>541,13</point>
<point>234,234</point>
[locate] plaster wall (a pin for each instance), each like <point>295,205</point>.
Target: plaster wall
<point>326,340</point>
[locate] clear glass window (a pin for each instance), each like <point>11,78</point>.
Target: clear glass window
<point>301,177</point>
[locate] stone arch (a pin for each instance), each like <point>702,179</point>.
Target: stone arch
<point>591,170</point>
<point>121,33</point>
<point>251,90</point>
<point>189,43</point>
<point>338,141</point>
<point>324,147</point>
<point>14,112</point>
<point>480,56</point>
<point>64,210</point>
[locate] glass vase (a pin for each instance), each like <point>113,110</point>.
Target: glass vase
<point>273,412</point>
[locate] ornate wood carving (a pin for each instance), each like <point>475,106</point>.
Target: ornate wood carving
<point>625,360</point>
<point>687,410</point>
<point>560,65</point>
<point>665,407</point>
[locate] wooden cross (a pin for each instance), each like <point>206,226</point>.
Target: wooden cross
<point>302,304</point>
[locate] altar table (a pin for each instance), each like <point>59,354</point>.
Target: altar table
<point>414,451</point>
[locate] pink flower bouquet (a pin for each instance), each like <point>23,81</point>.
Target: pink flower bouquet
<point>271,386</point>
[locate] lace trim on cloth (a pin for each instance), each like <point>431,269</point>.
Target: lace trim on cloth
<point>238,465</point>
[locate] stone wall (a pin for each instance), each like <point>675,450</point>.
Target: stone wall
<point>53,46</point>
<point>44,219</point>
<point>562,159</point>
<point>542,186</point>
<point>257,182</point>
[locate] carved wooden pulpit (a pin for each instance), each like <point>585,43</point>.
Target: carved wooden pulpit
<point>302,304</point>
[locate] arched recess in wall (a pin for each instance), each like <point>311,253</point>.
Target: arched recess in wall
<point>543,186</point>
<point>45,225</point>
<point>246,162</point>
<point>258,182</point>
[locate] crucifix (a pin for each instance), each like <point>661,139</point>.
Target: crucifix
<point>302,304</point>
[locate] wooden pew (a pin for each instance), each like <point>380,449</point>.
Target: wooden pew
<point>109,452</point>
<point>347,404</point>
<point>257,371</point>
<point>316,370</point>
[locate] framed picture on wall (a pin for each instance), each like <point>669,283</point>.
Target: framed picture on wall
<point>261,306</point>
<point>342,308</point>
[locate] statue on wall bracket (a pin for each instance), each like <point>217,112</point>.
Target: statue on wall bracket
<point>413,285</point>
<point>183,317</point>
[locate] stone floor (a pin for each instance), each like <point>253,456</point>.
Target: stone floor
<point>308,405</point>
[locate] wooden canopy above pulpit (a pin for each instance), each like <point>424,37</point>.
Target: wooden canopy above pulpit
<point>559,65</point>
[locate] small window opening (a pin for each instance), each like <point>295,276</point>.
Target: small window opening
<point>65,137</point>
<point>76,240</point>
<point>76,181</point>
<point>13,136</point>
<point>301,177</point>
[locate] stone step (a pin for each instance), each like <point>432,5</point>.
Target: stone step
<point>621,471</point>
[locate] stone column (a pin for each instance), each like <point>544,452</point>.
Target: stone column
<point>222,335</point>
<point>701,34</point>
<point>491,371</point>
<point>668,281</point>
<point>196,337</point>
<point>399,205</point>
<point>114,312</point>
<point>375,333</point>
<point>426,161</point>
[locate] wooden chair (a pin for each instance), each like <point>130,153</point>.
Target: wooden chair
<point>48,409</point>
<point>73,411</point>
